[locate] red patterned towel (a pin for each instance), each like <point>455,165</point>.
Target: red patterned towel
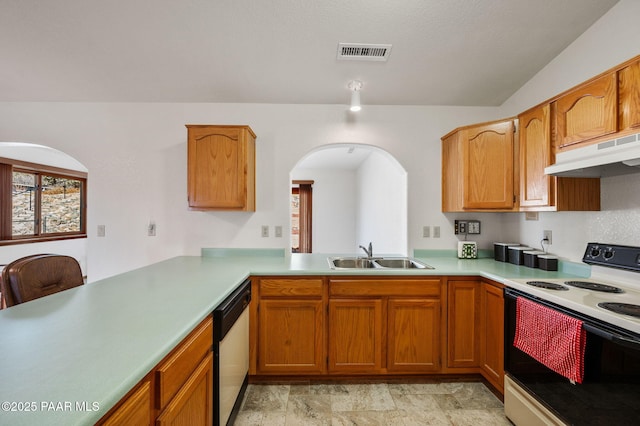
<point>553,338</point>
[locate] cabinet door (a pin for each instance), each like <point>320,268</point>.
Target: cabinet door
<point>452,173</point>
<point>629,93</point>
<point>135,410</point>
<point>355,335</point>
<point>291,336</point>
<point>413,335</point>
<point>488,153</point>
<point>463,328</point>
<point>193,404</point>
<point>221,163</point>
<point>588,112</point>
<point>492,340</point>
<point>535,155</point>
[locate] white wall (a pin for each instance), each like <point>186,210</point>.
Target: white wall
<point>136,157</point>
<point>382,205</point>
<point>334,208</point>
<point>612,40</point>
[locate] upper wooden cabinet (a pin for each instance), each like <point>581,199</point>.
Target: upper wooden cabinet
<point>587,112</point>
<point>535,154</point>
<point>603,108</point>
<point>543,192</point>
<point>221,167</point>
<point>478,168</point>
<point>629,97</point>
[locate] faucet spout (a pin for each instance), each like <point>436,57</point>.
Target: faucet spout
<point>369,250</point>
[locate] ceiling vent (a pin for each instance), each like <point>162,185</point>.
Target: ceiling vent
<point>363,52</point>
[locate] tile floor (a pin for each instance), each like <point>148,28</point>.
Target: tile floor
<point>449,403</point>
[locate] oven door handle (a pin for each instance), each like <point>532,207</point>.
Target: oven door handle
<point>614,337</point>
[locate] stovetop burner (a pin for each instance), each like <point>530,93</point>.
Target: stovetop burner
<point>621,308</point>
<point>547,285</point>
<point>594,286</point>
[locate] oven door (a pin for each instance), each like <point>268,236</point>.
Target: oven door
<point>610,392</point>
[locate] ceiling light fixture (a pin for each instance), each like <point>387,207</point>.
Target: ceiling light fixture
<point>355,86</point>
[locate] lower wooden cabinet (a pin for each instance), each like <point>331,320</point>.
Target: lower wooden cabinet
<point>134,410</point>
<point>343,325</point>
<point>288,327</point>
<point>463,328</point>
<point>475,339</point>
<point>291,336</point>
<point>413,343</point>
<point>193,404</point>
<point>355,336</point>
<point>492,333</point>
<point>380,326</point>
<point>179,390</point>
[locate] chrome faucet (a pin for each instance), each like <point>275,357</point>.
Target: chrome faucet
<point>369,251</point>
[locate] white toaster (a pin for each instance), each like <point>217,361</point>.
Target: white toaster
<point>467,250</point>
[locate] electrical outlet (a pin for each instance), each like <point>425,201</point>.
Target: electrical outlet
<point>425,232</point>
<point>436,232</point>
<point>265,231</point>
<point>278,231</point>
<point>546,235</point>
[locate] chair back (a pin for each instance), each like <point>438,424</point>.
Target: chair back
<point>38,275</point>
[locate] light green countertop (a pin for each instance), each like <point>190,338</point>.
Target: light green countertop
<point>85,348</point>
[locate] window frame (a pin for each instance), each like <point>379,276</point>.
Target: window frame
<point>7,167</point>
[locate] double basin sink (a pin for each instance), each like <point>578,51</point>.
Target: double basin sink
<point>376,262</point>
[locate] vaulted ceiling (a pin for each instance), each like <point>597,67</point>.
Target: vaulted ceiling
<point>444,52</point>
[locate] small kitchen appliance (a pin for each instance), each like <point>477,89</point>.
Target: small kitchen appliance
<point>467,250</point>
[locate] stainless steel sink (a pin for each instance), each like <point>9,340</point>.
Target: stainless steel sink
<point>350,263</point>
<point>376,262</point>
<point>401,263</point>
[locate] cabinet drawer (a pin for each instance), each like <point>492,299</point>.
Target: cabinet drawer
<point>175,371</point>
<point>381,287</point>
<point>274,287</point>
<point>193,404</point>
<point>135,410</point>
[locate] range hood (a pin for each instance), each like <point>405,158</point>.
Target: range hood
<point>610,158</point>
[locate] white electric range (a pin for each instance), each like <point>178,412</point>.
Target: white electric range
<point>609,393</point>
<point>608,284</point>
<point>587,301</point>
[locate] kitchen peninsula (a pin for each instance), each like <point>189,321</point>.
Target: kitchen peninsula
<point>69,358</point>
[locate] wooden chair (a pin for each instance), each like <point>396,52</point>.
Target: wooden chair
<point>39,275</point>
